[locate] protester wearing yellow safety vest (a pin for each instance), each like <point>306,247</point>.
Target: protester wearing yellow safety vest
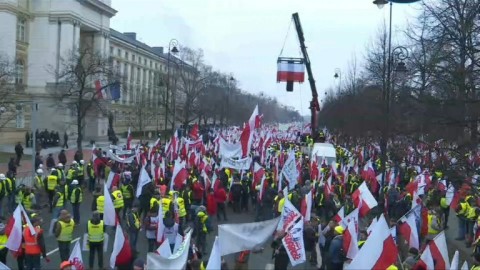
<point>180,203</point>
<point>100,202</point>
<point>133,226</point>
<point>434,224</point>
<point>128,195</point>
<point>12,191</point>
<point>76,198</point>
<point>201,228</point>
<point>58,202</point>
<point>3,242</point>
<point>64,234</point>
<point>3,191</point>
<point>52,183</point>
<point>461,211</point>
<point>95,230</point>
<point>471,217</point>
<point>167,205</point>
<point>118,202</point>
<point>39,186</point>
<point>72,172</point>
<point>81,172</point>
<point>28,200</point>
<point>278,204</point>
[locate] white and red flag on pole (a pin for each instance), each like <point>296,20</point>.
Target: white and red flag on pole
<point>16,224</point>
<point>179,175</point>
<point>379,251</point>
<point>76,257</point>
<point>364,197</point>
<point>246,138</point>
<point>109,215</point>
<point>129,139</point>
<point>350,241</point>
<point>409,230</point>
<point>435,255</point>
<point>121,253</point>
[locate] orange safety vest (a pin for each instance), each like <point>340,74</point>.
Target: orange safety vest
<point>31,241</point>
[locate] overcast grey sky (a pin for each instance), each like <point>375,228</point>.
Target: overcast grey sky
<point>245,37</point>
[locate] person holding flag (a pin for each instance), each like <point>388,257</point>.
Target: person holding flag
<point>34,245</point>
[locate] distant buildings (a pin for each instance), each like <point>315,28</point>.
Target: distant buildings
<point>36,34</point>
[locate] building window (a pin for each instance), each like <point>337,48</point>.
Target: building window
<point>140,60</point>
<point>119,52</point>
<point>126,55</point>
<point>145,62</point>
<point>151,64</point>
<point>19,71</point>
<point>133,57</point>
<point>20,117</point>
<point>111,50</point>
<point>21,30</point>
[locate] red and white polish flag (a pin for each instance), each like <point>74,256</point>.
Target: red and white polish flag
<point>363,197</point>
<point>379,251</point>
<point>409,230</point>
<point>350,243</point>
<point>121,253</point>
<point>437,252</point>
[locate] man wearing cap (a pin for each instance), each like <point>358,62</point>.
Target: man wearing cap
<point>76,198</point>
<point>95,230</point>
<point>336,256</point>
<point>118,202</point>
<point>64,234</point>
<point>61,172</point>
<point>34,245</point>
<point>127,193</point>
<point>81,172</point>
<point>202,228</point>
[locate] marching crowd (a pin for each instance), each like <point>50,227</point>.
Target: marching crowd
<point>415,182</point>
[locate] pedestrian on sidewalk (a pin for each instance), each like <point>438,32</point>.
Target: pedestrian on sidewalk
<point>50,162</point>
<point>12,166</point>
<point>62,157</point>
<point>65,140</point>
<point>18,152</point>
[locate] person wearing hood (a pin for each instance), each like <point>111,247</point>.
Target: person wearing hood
<point>336,255</point>
<point>202,228</point>
<point>95,230</point>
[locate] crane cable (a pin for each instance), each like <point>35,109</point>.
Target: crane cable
<point>286,36</point>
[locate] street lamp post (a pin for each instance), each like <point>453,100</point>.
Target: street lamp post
<point>172,48</point>
<point>401,53</point>
<point>231,81</point>
<point>338,75</point>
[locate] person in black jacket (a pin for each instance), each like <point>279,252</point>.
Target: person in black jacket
<point>62,158</point>
<point>18,152</point>
<point>279,255</point>
<point>50,161</point>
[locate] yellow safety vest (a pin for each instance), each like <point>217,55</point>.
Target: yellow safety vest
<point>118,199</point>
<point>71,174</point>
<point>39,181</point>
<point>431,230</point>
<point>95,232</point>
<point>73,198</point>
<point>10,186</point>
<point>137,221</point>
<point>181,207</point>
<point>166,205</point>
<point>60,200</point>
<point>80,171</point>
<point>443,203</point>
<point>66,234</point>
<point>3,241</point>
<point>153,201</point>
<point>27,202</point>
<point>470,212</point>
<point>126,192</point>
<point>100,203</point>
<point>203,219</point>
<point>52,182</point>
<point>463,209</point>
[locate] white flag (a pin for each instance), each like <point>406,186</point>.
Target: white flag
<point>110,177</point>
<point>109,215</point>
<point>143,179</point>
<point>215,260</point>
<point>290,171</point>
<point>294,245</point>
<point>176,261</point>
<point>76,257</point>
<point>245,236</point>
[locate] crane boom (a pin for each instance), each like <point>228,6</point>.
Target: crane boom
<point>314,105</point>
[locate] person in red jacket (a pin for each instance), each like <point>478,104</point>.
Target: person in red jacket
<point>221,197</point>
<point>211,204</point>
<point>198,190</point>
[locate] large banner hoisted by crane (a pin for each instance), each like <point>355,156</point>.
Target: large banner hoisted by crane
<point>290,70</point>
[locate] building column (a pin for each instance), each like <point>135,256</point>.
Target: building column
<point>76,34</point>
<point>67,38</point>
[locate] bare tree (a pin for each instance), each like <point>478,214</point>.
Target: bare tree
<point>76,77</point>
<point>144,112</point>
<point>7,104</point>
<point>192,75</point>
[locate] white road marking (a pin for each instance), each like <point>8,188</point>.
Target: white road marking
<point>55,250</point>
